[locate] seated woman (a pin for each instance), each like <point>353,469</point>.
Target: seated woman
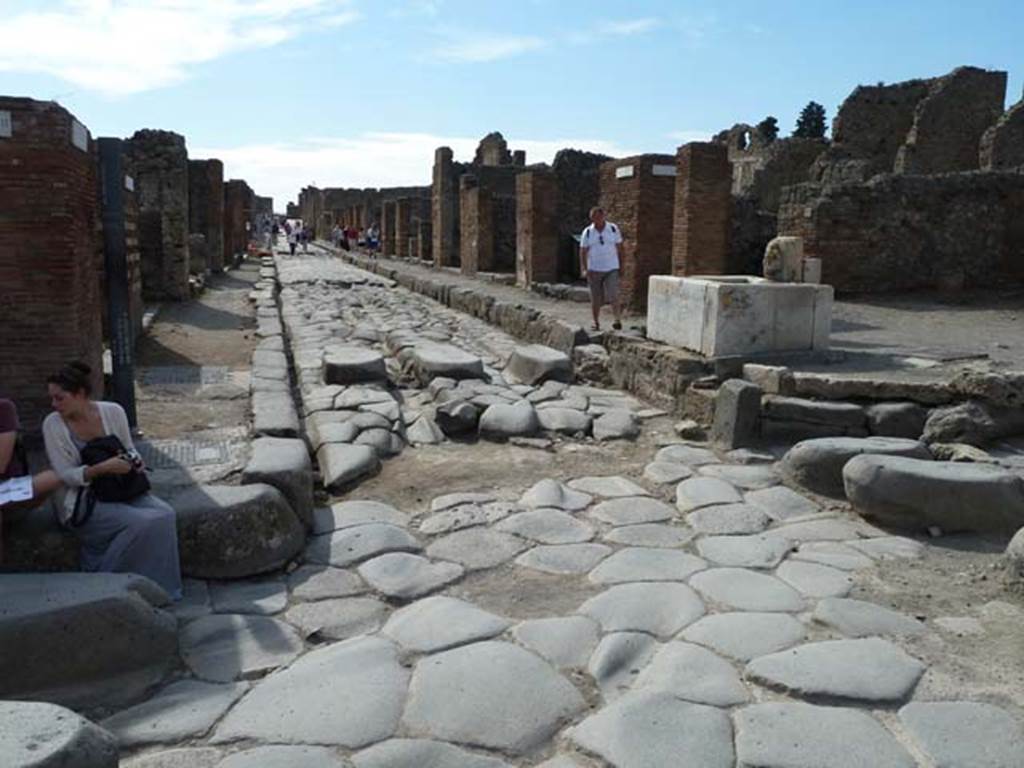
<point>137,536</point>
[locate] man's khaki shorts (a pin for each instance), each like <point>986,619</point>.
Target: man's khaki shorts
<point>604,287</point>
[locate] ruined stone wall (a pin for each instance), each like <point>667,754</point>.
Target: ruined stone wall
<point>476,252</point>
<point>311,209</point>
<point>238,201</point>
<point>537,228</point>
<point>158,161</point>
<point>492,151</point>
<point>50,298</point>
<point>445,208</point>
<point>703,198</point>
<point>638,195</point>
<point>408,210</point>
<point>387,227</point>
<point>1002,145</point>
<point>899,232</point>
<point>579,187</point>
<point>206,210</point>
<point>424,239</point>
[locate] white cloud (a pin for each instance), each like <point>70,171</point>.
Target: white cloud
<point>368,160</point>
<point>686,136</point>
<point>483,48</point>
<point>619,28</point>
<point>121,47</point>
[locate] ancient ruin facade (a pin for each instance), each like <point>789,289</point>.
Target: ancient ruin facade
<point>238,205</point>
<point>206,211</point>
<point>703,192</point>
<point>1002,145</point>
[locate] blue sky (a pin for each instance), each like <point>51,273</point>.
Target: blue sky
<point>359,92</point>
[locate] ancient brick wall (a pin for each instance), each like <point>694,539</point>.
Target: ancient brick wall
<point>638,195</point>
<point>158,161</point>
<point>703,197</point>
<point>1002,145</point>
<point>537,227</point>
<point>898,232</point>
<point>424,238</point>
<point>579,184</point>
<point>238,201</point>
<point>445,208</point>
<point>408,212</point>
<point>206,210</point>
<point>387,227</point>
<point>950,120</point>
<point>476,252</point>
<point>50,298</point>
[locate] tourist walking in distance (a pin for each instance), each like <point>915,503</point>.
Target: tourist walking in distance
<point>293,237</point>
<point>599,262</point>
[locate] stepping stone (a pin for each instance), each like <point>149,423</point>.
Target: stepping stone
<point>567,642</point>
<point>534,364</point>
<point>503,420</point>
<point>954,496</point>
<point>632,511</point>
<point>431,360</point>
<point>564,558</point>
<point>756,551</point>
<point>45,735</point>
<point>338,618</point>
<point>551,493</point>
<point>728,519</point>
<point>547,526</point>
<point>781,503</point>
<point>965,734</point>
<point>666,472</point>
<point>657,729</point>
<point>869,669</point>
<point>616,424</point>
<point>230,532</point>
<point>361,542</point>
<point>449,500</point>
<point>749,477</point>
<point>352,365</point>
<point>660,609</point>
<point>694,674</point>
<point>817,465</point>
<point>406,576</point>
<point>421,753</point>
<point>565,421</point>
<point>618,660</point>
<point>795,735</point>
<point>183,710</point>
<point>814,580</point>
<point>222,648</point>
<point>477,548</point>
<point>834,554</point>
<point>258,597</point>
<point>532,698</point>
<point>650,535</point>
<point>856,618</point>
<point>687,454</point>
<point>464,516</point>
<point>301,705</point>
<point>745,636</point>
<point>889,548</point>
<point>341,463</point>
<point>284,757</point>
<point>438,623</point>
<point>700,492</point>
<point>646,564</point>
<point>746,590</point>
<point>285,464</point>
<point>611,487</point>
<point>346,514</point>
<point>313,582</point>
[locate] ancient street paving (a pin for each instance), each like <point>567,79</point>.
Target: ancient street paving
<point>575,587</point>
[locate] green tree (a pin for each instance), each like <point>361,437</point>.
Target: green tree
<point>811,123</point>
<point>768,129</point>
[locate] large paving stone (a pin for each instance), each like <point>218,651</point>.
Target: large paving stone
<point>690,455</point>
<point>551,493</point>
<point>489,694</point>
<point>750,477</point>
<point>222,648</point>
<point>728,519</point>
<point>818,464</point>
<point>199,757</point>
<point>660,609</point>
<point>823,529</point>
<point>564,558</point>
<point>667,472</point>
<point>284,463</point>
<point>609,487</point>
<point>260,597</point>
<point>965,734</point>
<point>534,364</point>
<point>183,710</point>
<point>438,623</point>
<point>547,526</point>
<point>338,618</point>
<point>504,420</point>
<point>795,735</point>
<point>346,514</point>
<point>278,756</point>
<point>889,548</point>
<point>302,705</point>
<point>869,669</point>
<point>857,618</point>
<point>650,535</point>
<point>83,639</point>
<point>39,735</point>
<point>618,659</point>
<point>341,463</point>
<point>565,421</point>
<point>565,641</point>
<point>313,582</point>
<point>450,500</point>
<point>955,496</point>
<point>781,503</point>
<point>632,511</point>
<point>694,674</point>
<point>274,414</point>
<point>360,542</point>
<point>229,532</point>
<point>405,576</point>
<point>353,365</point>
<point>646,564</point>
<point>746,590</point>
<point>465,516</point>
<point>833,553</point>
<point>477,548</point>
<point>745,636</point>
<point>700,492</point>
<point>616,424</point>
<point>430,360</point>
<point>422,753</point>
<point>653,730</point>
<point>814,579</point>
<point>757,551</point>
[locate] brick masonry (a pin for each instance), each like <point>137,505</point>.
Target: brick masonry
<point>703,198</point>
<point>238,202</point>
<point>50,298</point>
<point>206,208</point>
<point>537,227</point>
<point>476,236</point>
<point>445,214</point>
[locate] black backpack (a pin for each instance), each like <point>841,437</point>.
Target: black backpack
<point>114,488</point>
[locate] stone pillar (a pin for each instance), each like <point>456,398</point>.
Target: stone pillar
<point>50,252</point>
<point>403,224</point>
<point>700,241</point>
<point>238,202</point>
<point>387,227</point>
<point>159,164</point>
<point>445,209</point>
<point>424,237</point>
<point>537,202</point>
<point>476,223</point>
<point>206,210</point>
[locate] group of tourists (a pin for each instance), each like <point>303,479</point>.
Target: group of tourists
<point>97,480</point>
<point>346,237</point>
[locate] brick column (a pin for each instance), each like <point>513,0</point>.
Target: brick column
<point>537,200</point>
<point>445,209</point>
<point>424,235</point>
<point>700,240</point>
<point>237,210</point>
<point>403,224</point>
<point>476,223</point>
<point>206,210</point>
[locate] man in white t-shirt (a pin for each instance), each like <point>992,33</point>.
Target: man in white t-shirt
<point>599,261</point>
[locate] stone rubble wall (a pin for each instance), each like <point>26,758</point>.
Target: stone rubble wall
<point>206,210</point>
<point>238,202</point>
<point>703,197</point>
<point>537,239</point>
<point>1002,145</point>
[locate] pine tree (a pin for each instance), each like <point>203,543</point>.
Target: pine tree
<point>811,123</point>
<point>768,129</point>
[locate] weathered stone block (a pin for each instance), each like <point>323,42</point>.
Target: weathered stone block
<point>285,464</point>
<point>737,415</point>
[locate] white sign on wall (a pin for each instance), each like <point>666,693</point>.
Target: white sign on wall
<point>624,172</point>
<point>663,170</point>
<point>79,136</point>
<point>129,183</point>
<point>5,124</point>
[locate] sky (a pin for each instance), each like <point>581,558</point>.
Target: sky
<point>343,93</point>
